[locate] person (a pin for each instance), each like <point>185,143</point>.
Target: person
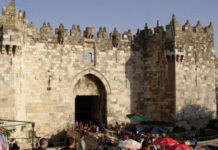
<point>82,144</point>
<point>105,147</point>
<point>149,146</point>
<point>70,144</point>
<point>36,146</point>
<point>15,146</point>
<point>144,144</point>
<point>86,126</point>
<point>80,126</point>
<point>195,142</point>
<point>43,144</point>
<point>97,129</point>
<point>100,147</point>
<point>11,143</point>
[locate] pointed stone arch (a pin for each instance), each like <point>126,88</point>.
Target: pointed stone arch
<point>95,73</point>
<point>96,97</point>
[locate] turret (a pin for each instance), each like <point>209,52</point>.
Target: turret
<point>159,29</point>
<point>198,27</point>
<point>187,26</point>
<point>209,28</point>
<point>102,33</point>
<point>61,33</point>
<point>13,16</point>
<point>89,33</point>
<point>46,30</point>
<point>127,35</point>
<point>14,24</point>
<point>75,32</point>
<point>115,37</point>
<point>105,34</point>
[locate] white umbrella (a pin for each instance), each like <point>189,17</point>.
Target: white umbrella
<point>130,144</point>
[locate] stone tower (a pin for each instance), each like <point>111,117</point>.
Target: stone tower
<point>179,71</point>
<point>12,35</point>
<point>194,71</point>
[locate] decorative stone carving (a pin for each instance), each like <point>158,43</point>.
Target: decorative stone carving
<point>61,32</point>
<point>12,3</point>
<point>198,27</point>
<point>24,14</point>
<point>104,34</point>
<point>78,28</point>
<point>89,33</point>
<point>115,36</point>
<point>187,26</point>
<point>33,28</point>
<point>127,35</point>
<point>100,33</point>
<point>46,30</point>
<point>75,32</point>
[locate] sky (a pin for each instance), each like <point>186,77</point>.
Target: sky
<point>123,14</point>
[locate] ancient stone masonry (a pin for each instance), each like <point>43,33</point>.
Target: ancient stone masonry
<point>179,64</point>
<point>166,73</point>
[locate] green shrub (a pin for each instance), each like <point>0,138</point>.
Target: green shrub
<point>8,132</point>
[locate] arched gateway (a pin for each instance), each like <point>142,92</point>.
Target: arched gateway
<point>90,94</point>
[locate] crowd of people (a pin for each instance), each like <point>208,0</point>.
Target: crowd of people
<point>111,136</point>
<point>13,145</point>
<point>70,144</point>
<point>107,138</point>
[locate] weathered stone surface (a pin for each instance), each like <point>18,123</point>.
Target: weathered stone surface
<point>183,124</point>
<point>165,74</point>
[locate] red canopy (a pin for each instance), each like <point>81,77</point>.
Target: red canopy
<point>166,142</point>
<point>137,114</point>
<point>179,147</point>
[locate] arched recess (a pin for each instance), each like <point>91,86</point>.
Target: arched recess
<point>93,72</point>
<point>90,92</point>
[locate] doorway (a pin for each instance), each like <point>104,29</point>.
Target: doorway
<point>87,109</point>
<point>90,101</point>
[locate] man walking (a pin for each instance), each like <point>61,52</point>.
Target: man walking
<point>43,144</point>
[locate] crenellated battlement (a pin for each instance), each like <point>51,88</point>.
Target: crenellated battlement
<point>12,18</point>
<point>174,27</point>
<point>11,15</point>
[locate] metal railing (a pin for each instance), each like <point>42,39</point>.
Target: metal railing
<point>21,123</point>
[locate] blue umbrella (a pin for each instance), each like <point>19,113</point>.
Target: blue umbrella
<point>156,130</point>
<point>138,127</point>
<point>141,128</point>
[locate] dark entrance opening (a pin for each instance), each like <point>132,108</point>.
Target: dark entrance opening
<point>88,109</point>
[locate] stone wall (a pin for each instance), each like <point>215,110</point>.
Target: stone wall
<point>179,69</point>
<point>167,74</point>
<point>216,76</point>
<point>195,72</point>
<point>159,77</point>
<point>40,73</point>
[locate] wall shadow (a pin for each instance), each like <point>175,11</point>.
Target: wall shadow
<point>151,75</point>
<point>134,69</point>
<point>59,139</point>
<point>195,115</point>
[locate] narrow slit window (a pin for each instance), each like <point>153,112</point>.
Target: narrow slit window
<point>89,57</point>
<point>14,50</point>
<point>7,49</point>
